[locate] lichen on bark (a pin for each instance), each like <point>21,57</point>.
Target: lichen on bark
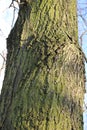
<point>44,79</point>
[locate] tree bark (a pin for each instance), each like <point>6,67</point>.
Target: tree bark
<point>45,77</point>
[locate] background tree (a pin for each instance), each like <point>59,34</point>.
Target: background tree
<point>45,78</point>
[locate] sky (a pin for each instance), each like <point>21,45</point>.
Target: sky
<point>6,18</point>
<point>82,27</point>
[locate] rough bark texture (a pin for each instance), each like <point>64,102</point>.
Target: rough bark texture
<point>44,79</point>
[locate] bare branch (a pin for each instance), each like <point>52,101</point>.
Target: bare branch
<point>81,36</point>
<point>4,61</point>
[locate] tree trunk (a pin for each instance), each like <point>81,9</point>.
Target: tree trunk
<point>44,80</point>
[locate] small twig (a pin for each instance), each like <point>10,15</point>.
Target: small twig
<point>82,36</point>
<point>13,5</point>
<point>84,20</point>
<point>4,61</point>
<point>2,57</point>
